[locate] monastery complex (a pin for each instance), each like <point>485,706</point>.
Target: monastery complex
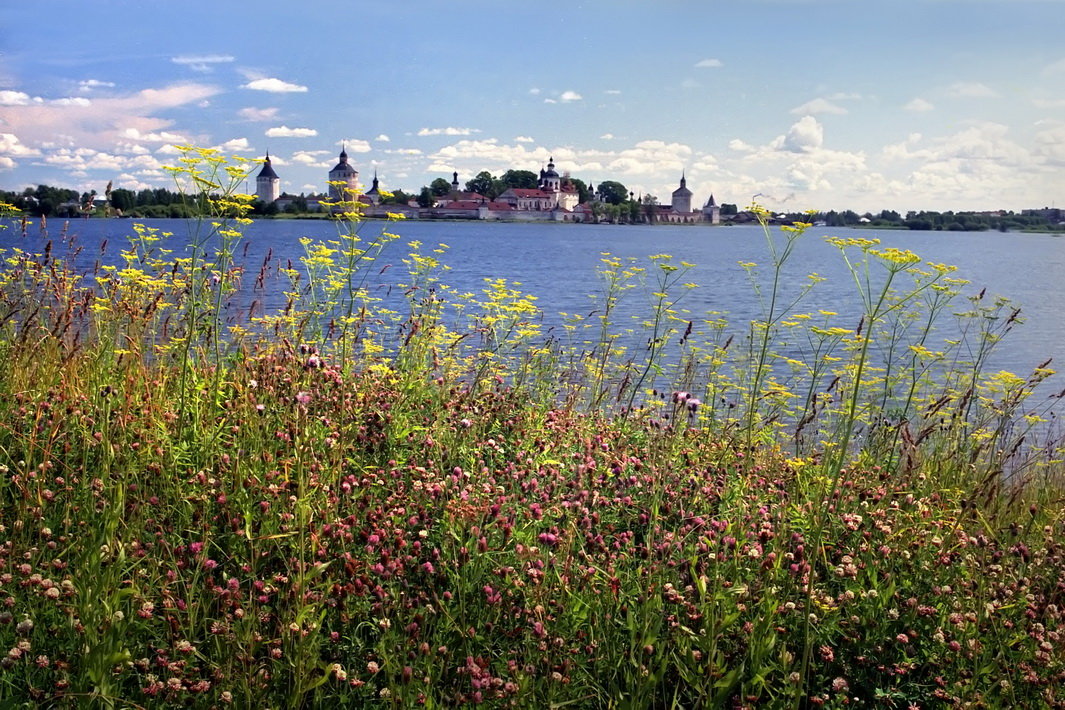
<point>555,199</point>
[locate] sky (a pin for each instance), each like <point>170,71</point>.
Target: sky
<point>794,104</point>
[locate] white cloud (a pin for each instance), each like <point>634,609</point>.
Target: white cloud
<point>273,85</point>
<point>90,84</point>
<point>816,106</point>
<point>607,136</point>
<point>355,145</point>
<point>449,131</point>
<point>524,139</point>
<point>86,159</point>
<point>613,92</point>
<point>1057,67</point>
<point>104,120</point>
<point>135,134</point>
<point>286,132</point>
<point>568,96</point>
<point>11,145</point>
<point>1050,144</point>
<point>234,145</point>
<point>72,101</point>
<point>971,90</point>
<point>7,163</point>
<point>15,98</point>
<point>806,134</point>
<point>534,91</point>
<point>709,64</point>
<point>918,105</point>
<point>257,114</point>
<point>550,101</point>
<point>202,62</point>
<point>311,157</point>
<point>404,151</point>
<point>382,138</point>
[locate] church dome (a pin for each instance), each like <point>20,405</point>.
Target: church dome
<point>343,164</point>
<point>550,169</point>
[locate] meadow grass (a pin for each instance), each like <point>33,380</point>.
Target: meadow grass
<point>343,504</point>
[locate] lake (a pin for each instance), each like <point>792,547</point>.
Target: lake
<point>557,263</point>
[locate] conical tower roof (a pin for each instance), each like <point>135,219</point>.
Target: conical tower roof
<point>267,170</point>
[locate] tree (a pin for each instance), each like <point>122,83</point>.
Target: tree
<point>123,199</point>
<point>521,179</point>
<point>425,198</point>
<point>650,208</point>
<point>613,192</point>
<point>484,183</point>
<point>634,211</point>
<point>728,208</point>
<point>439,187</point>
<point>398,198</point>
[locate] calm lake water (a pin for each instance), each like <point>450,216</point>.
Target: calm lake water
<point>557,263</point>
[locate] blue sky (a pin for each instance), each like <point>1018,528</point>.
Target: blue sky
<point>811,104</point>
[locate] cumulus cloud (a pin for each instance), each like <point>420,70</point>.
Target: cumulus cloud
<point>382,138</point>
<point>85,159</point>
<point>449,131</point>
<point>20,98</point>
<point>10,145</point>
<point>311,157</point>
<point>971,90</point>
<point>568,96</point>
<point>806,134</point>
<point>816,106</point>
<point>201,62</point>
<point>257,114</point>
<point>354,145</point>
<point>404,151</point>
<point>524,139</point>
<point>16,98</point>
<point>1050,144</point>
<point>286,132</point>
<point>646,158</point>
<point>72,101</point>
<point>709,64</point>
<point>918,105</point>
<point>234,145</point>
<point>607,136</point>
<point>90,84</point>
<point>135,134</point>
<point>101,122</point>
<point>274,85</point>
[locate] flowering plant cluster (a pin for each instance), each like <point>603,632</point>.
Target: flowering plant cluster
<point>339,504</point>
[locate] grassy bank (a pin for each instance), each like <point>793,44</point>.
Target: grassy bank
<point>342,504</point>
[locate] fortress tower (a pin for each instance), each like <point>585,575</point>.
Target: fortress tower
<point>267,183</point>
<point>682,197</point>
<point>343,173</point>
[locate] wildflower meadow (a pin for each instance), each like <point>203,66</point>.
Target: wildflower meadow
<point>342,502</point>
